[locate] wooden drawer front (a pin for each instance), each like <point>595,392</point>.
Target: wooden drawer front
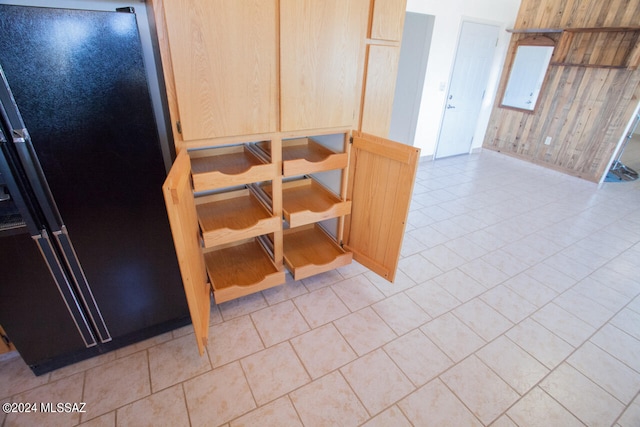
<point>227,167</point>
<point>234,216</point>
<point>306,201</point>
<point>241,270</point>
<point>304,155</point>
<point>309,250</point>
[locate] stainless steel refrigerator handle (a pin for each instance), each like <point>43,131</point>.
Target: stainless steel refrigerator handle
<point>82,285</point>
<point>36,177</point>
<point>65,288</point>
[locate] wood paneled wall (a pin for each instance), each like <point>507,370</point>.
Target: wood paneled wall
<point>584,108</point>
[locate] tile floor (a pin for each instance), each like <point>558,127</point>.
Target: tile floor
<point>516,304</point>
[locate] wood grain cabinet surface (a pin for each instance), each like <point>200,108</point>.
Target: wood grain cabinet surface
<point>264,91</point>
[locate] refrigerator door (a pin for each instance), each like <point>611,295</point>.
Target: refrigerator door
<point>46,204</point>
<point>34,282</point>
<point>78,78</point>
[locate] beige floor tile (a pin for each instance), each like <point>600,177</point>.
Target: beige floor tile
<point>166,408</point>
<point>530,289</point>
<point>16,377</point>
<point>452,336</point>
<point>241,306</point>
<point>274,372</point>
<point>106,420</point>
<point>514,365</point>
<point>550,277</point>
<point>115,384</point>
<point>584,308</point>
<point>419,358</point>
<point>569,266</point>
<point>628,321</point>
<point>143,345</point>
<point>606,371</point>
<point>538,409</point>
<point>504,421</point>
<point>484,273</point>
<point>391,417</point>
<point>290,289</point>
<point>401,313</point>
<point>279,413</point>
<point>484,392</point>
<point>443,257</point>
<point>364,330</point>
<point>432,298</point>
<point>462,286</point>
<point>82,366</point>
<point>279,322</point>
<point>377,381</point>
<point>631,416</point>
<point>539,342</point>
<point>484,320</point>
<point>352,270</point>
<point>508,303</point>
<point>434,405</point>
<point>564,324</point>
<point>585,399</point>
<point>357,292</point>
<point>620,345</point>
<point>601,294</point>
<point>65,390</point>
<point>328,401</point>
<point>218,396</point>
<point>323,350</point>
<point>418,268</point>
<point>233,340</point>
<point>401,282</point>
<point>176,361</point>
<point>322,280</point>
<point>466,248</point>
<point>321,307</point>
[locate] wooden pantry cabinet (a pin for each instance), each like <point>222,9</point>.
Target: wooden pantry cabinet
<point>273,172</point>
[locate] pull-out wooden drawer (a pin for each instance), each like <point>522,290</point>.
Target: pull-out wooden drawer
<point>229,166</point>
<point>304,156</point>
<point>234,216</point>
<point>309,250</point>
<point>241,269</point>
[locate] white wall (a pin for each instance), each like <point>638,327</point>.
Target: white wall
<point>449,16</point>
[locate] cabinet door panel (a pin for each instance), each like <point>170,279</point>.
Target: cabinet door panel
<point>224,58</point>
<point>380,86</point>
<point>388,19</point>
<point>322,47</point>
<point>183,219</point>
<point>381,177</point>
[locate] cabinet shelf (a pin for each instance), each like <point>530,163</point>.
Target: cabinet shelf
<point>306,201</point>
<point>309,250</point>
<point>241,270</point>
<point>304,155</point>
<point>229,166</point>
<point>234,216</point>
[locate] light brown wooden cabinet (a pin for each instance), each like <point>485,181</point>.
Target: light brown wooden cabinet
<point>247,203</point>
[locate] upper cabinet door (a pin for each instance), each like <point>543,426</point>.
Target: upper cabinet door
<point>224,59</point>
<point>388,19</point>
<point>321,57</point>
<point>381,177</point>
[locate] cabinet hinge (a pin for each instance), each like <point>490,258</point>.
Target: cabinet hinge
<point>127,9</point>
<point>350,140</point>
<point>179,126</point>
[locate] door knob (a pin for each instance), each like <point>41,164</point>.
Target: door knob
<point>449,106</point>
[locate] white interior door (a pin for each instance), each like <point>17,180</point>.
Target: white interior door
<point>469,79</point>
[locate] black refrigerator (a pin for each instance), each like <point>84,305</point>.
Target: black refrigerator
<point>87,262</point>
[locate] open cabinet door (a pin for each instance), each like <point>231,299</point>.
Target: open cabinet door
<point>178,196</point>
<point>381,177</point>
